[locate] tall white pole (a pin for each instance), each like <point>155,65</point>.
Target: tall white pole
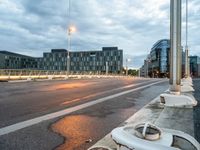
<point>187,71</point>
<point>68,49</point>
<point>175,51</point>
<point>69,39</point>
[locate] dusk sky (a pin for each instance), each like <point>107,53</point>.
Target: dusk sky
<point>32,27</point>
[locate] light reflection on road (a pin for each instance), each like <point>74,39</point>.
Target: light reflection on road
<point>78,128</point>
<point>68,86</point>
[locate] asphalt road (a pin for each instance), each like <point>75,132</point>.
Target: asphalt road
<point>23,101</point>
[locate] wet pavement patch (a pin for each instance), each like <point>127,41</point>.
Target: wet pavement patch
<point>78,129</point>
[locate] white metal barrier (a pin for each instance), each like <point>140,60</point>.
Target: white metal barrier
<point>28,74</point>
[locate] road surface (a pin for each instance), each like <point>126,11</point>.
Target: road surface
<point>94,106</point>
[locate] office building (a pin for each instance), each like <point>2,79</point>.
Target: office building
<point>94,61</point>
<point>9,60</point>
<point>54,60</point>
<point>158,61</point>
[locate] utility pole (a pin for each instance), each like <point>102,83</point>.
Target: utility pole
<point>175,51</point>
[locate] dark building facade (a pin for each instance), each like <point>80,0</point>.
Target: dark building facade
<point>94,61</point>
<point>54,60</point>
<point>9,60</point>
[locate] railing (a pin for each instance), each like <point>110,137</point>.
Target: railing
<point>28,74</point>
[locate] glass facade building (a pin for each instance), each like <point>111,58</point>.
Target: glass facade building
<point>157,63</point>
<point>159,58</point>
<point>85,61</point>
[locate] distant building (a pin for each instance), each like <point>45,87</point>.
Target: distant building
<point>85,61</point>
<point>143,71</point>
<point>9,60</point>
<point>110,58</point>
<point>54,60</point>
<point>157,62</point>
<point>159,59</point>
<point>195,66</point>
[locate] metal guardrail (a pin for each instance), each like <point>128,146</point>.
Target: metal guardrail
<point>28,74</point>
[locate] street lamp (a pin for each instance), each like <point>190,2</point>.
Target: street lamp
<point>70,30</point>
<point>147,69</point>
<point>187,70</point>
<point>152,71</point>
<point>127,60</point>
<point>175,44</point>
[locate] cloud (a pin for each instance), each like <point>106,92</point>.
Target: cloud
<point>34,27</point>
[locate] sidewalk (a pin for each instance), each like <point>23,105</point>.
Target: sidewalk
<point>164,117</point>
<point>196,114</point>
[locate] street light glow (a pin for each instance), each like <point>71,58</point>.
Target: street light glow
<point>72,29</point>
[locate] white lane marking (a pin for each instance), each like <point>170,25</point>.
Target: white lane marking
<point>27,123</point>
<point>104,92</point>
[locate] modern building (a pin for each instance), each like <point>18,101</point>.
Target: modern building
<point>195,66</point>
<point>157,63</point>
<point>54,60</point>
<point>9,60</point>
<point>142,71</point>
<point>95,61</point>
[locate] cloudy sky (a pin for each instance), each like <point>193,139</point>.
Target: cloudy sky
<point>32,27</point>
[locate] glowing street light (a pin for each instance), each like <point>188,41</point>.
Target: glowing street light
<point>71,29</point>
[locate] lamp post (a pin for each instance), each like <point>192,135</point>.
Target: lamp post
<point>127,60</point>
<point>187,70</point>
<point>70,30</point>
<point>175,51</point>
<point>152,70</point>
<point>147,69</point>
